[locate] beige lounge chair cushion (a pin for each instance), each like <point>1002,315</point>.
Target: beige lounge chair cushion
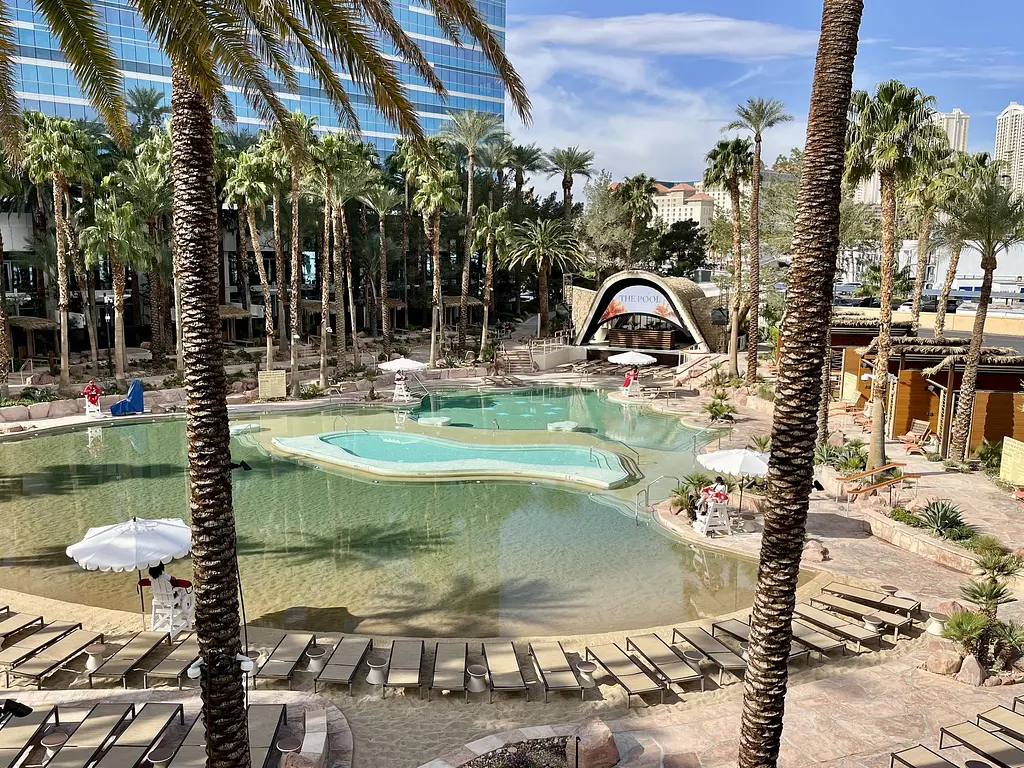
<point>71,756</point>
<point>406,654</point>
<point>550,657</point>
<point>21,730</point>
<point>503,666</point>
<point>98,725</point>
<point>349,652</point>
<point>291,647</point>
<point>450,666</point>
<point>1006,719</point>
<point>843,605</point>
<point>614,660</point>
<point>922,757</point>
<point>835,623</point>
<point>29,644</point>
<point>638,683</point>
<point>189,757</point>
<point>123,757</point>
<point>661,656</point>
<point>812,638</point>
<point>872,597</point>
<point>561,680</point>
<point>264,724</point>
<point>196,736</point>
<point>988,744</point>
<point>148,724</point>
<point>278,670</point>
<point>127,658</point>
<point>15,622</point>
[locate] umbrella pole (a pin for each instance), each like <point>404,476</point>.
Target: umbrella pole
<point>142,599</point>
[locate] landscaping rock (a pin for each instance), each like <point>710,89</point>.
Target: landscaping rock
<point>60,408</point>
<point>250,384</point>
<point>949,607</point>
<point>252,395</point>
<point>815,551</point>
<point>38,379</point>
<point>944,662</point>
<point>971,672</point>
<point>237,398</point>
<point>917,504</point>
<point>237,386</point>
<point>39,411</point>
<point>157,408</point>
<point>597,745</point>
<point>1019,553</point>
<point>11,428</point>
<point>992,682</point>
<point>837,439</point>
<point>76,370</point>
<point>14,413</point>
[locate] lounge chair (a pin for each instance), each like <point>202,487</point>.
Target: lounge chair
<point>627,673</point>
<point>265,723</point>
<point>741,631</point>
<point>404,666</point>
<point>904,605</point>
<point>981,742</point>
<point>663,660</point>
<point>811,638</point>
<point>919,757</point>
<point>285,658</point>
<point>54,657</point>
<point>553,668</point>
<point>861,611</point>
<point>856,633</point>
<point>31,644</point>
<point>1004,720</point>
<point>503,671</point>
<point>711,649</point>
<point>132,402</point>
<point>13,623</point>
<point>191,753</point>
<point>919,432</point>
<point>449,673</point>
<point>343,662</point>
<point>175,664</point>
<point>128,657</point>
<point>137,740</point>
<point>91,736</point>
<point>18,736</point>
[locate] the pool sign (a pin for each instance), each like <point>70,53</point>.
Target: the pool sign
<point>642,300</point>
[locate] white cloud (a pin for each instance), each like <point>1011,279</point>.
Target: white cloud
<point>622,88</point>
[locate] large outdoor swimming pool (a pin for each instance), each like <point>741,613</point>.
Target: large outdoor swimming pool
<point>326,550</point>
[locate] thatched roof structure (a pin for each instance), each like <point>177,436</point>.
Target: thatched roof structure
<point>865,322</point>
<point>229,312</point>
<point>912,345</point>
<point>316,307</point>
<point>1001,357</point>
<point>30,323</point>
<point>395,303</point>
<point>456,301</point>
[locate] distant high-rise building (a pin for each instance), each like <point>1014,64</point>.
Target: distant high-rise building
<point>1010,144</point>
<point>955,125</point>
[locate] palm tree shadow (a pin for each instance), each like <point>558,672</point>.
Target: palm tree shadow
<point>47,557</point>
<point>62,479</point>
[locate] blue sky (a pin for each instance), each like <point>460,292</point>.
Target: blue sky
<point>647,84</point>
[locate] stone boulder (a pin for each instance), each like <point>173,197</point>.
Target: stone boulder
<point>39,379</point>
<point>971,672</point>
<point>237,386</point>
<point>815,551</point>
<point>944,662</point>
<point>992,682</point>
<point>14,413</point>
<point>918,503</point>
<point>238,398</point>
<point>597,745</point>
<point>252,395</point>
<point>949,607</point>
<point>39,411</point>
<point>76,370</point>
<point>837,439</point>
<point>8,429</point>
<point>1019,554</point>
<point>156,408</point>
<point>250,384</point>
<point>60,408</point>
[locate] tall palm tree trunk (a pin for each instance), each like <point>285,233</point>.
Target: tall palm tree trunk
<point>405,253</point>
<point>754,265</point>
<point>242,267</point>
<point>960,439</point>
<point>339,291</point>
<point>956,248</point>
<point>268,314</point>
<point>791,467</point>
<point>82,278</point>
<point>437,312</point>
<point>488,289</point>
<point>347,242</point>
<point>118,270</point>
<point>924,236</point>
<point>5,331</point>
<point>737,281</point>
<point>296,292</point>
<point>542,296</point>
<point>325,283</point>
<point>64,385</point>
<point>435,292</point>
<point>567,197</point>
<point>880,384</point>
<point>826,390</point>
<point>279,266</point>
<point>468,257</point>
<point>385,311</point>
<point>209,450</point>
<point>157,301</point>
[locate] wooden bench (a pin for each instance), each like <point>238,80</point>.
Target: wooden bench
<point>890,484</point>
<point>842,481</point>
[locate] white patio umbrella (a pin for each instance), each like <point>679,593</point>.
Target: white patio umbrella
<point>133,545</point>
<point>402,364</point>
<point>738,462</point>
<point>632,358</point>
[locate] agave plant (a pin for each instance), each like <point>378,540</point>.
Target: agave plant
<point>942,515</point>
<point>825,454</point>
<point>760,443</point>
<point>988,595</point>
<point>966,628</point>
<point>1009,643</point>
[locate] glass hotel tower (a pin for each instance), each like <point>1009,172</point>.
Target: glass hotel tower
<point>45,83</point>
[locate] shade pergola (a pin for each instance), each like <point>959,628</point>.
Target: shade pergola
<point>452,304</point>
<point>31,325</point>
<point>229,312</point>
<point>316,307</point>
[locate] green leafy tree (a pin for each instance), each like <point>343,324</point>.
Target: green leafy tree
<point>524,159</point>
<point>493,233</point>
<point>871,283</point>
<point>382,199</point>
<point>602,228</point>
<point>891,133</point>
<point>683,249</point>
<point>148,107</point>
<point>541,245</point>
<point>637,196</point>
<point>757,116</point>
<point>569,163</point>
<point>926,190</point>
<point>729,165</point>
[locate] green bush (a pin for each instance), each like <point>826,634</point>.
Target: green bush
<point>761,443</point>
<point>173,382</point>
<point>960,534</point>
<point>983,543</point>
<point>965,629</point>
<point>311,391</point>
<point>991,454</point>
<point>933,456</point>
<point>942,515</point>
<point>765,392</point>
<point>901,515</point>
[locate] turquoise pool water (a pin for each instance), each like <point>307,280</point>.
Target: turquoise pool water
<point>326,551</point>
<point>537,407</point>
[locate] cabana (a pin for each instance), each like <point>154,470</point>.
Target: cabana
<point>231,313</point>
<point>30,326</point>
<point>452,305</point>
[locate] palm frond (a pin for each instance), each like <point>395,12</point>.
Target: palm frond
<point>10,119</point>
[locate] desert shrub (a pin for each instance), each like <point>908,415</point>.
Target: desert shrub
<point>900,515</point>
<point>983,543</point>
<point>942,515</point>
<point>311,391</point>
<point>990,454</point>
<point>965,629</point>
<point>960,533</point>
<point>761,443</point>
<point>765,392</point>
<point>933,456</point>
<point>173,381</point>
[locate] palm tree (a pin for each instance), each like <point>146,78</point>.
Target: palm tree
<point>891,134</point>
<point>962,174</point>
<point>729,165</point>
<point>756,116</point>
<point>495,158</point>
<point>989,217</point>
<point>438,192</point>
<point>542,245</point>
<point>637,196</point>
<point>10,186</point>
<point>396,165</point>
<point>148,107</point>
<point>53,152</point>
<point>275,159</point>
<point>925,191</point>
<point>803,352</point>
<point>526,158</point>
<point>570,162</point>
<point>493,233</point>
<point>470,129</point>
<point>383,199</point>
<point>351,177</point>
<point>248,186</point>
<point>871,282</point>
<point>118,236</point>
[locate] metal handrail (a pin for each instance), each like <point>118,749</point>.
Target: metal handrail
<point>696,438</point>
<point>646,494</point>
<point>636,454</point>
<point>495,424</point>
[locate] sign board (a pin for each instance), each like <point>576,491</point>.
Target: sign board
<point>1012,467</point>
<point>849,392</point>
<point>641,300</point>
<point>273,385</point>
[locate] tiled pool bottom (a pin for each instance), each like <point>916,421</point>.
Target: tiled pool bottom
<point>425,458</point>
